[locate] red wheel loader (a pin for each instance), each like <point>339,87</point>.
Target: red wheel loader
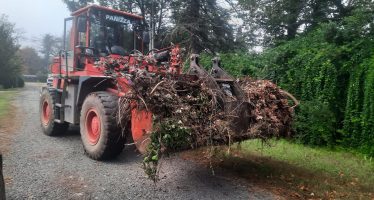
<point>103,49</point>
<point>82,93</point>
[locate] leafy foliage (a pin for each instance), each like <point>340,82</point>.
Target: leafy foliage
<point>167,135</point>
<point>367,113</point>
<point>276,21</point>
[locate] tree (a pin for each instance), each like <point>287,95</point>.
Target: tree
<point>50,46</point>
<point>74,5</point>
<point>32,63</point>
<point>201,25</point>
<point>10,65</point>
<point>273,21</point>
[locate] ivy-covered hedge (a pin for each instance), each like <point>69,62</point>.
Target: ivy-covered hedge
<point>358,125</point>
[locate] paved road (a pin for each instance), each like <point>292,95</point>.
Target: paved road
<point>42,167</point>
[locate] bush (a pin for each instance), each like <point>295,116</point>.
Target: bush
<point>314,123</point>
<point>41,77</point>
<point>12,82</point>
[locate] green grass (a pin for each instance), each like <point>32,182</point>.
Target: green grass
<point>5,100</point>
<point>327,161</point>
<point>296,171</point>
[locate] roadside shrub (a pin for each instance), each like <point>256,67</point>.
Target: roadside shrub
<point>12,82</point>
<point>314,123</point>
<point>20,82</point>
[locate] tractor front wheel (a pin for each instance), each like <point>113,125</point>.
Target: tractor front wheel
<point>101,136</point>
<point>47,115</point>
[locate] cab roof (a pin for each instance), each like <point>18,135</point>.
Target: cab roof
<point>93,6</point>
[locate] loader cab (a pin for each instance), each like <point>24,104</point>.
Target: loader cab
<point>95,31</point>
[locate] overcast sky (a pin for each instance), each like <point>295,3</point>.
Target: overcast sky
<point>35,18</point>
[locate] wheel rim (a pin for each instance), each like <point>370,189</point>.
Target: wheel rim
<point>93,126</point>
<point>46,110</point>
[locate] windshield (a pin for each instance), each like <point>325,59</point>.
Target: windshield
<point>111,34</point>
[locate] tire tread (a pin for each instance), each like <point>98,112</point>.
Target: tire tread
<point>113,143</point>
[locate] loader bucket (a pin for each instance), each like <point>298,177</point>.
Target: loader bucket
<point>228,92</point>
<point>141,128</point>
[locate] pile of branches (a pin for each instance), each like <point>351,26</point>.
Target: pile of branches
<point>271,113</point>
<point>188,115</point>
<point>189,104</point>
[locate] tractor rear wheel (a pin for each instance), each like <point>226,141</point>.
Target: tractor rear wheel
<point>47,115</point>
<point>101,136</point>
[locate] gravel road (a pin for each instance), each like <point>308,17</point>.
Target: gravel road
<point>42,167</point>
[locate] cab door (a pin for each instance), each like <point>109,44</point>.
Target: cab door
<point>67,55</point>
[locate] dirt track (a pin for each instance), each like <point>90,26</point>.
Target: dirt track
<point>41,167</point>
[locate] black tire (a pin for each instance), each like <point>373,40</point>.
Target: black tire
<point>48,124</point>
<point>2,184</point>
<point>110,141</point>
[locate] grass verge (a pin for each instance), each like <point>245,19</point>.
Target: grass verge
<point>7,118</point>
<point>295,171</point>
<point>5,101</point>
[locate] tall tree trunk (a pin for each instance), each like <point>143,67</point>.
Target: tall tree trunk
<point>292,30</point>
<point>193,12</point>
<point>293,10</point>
